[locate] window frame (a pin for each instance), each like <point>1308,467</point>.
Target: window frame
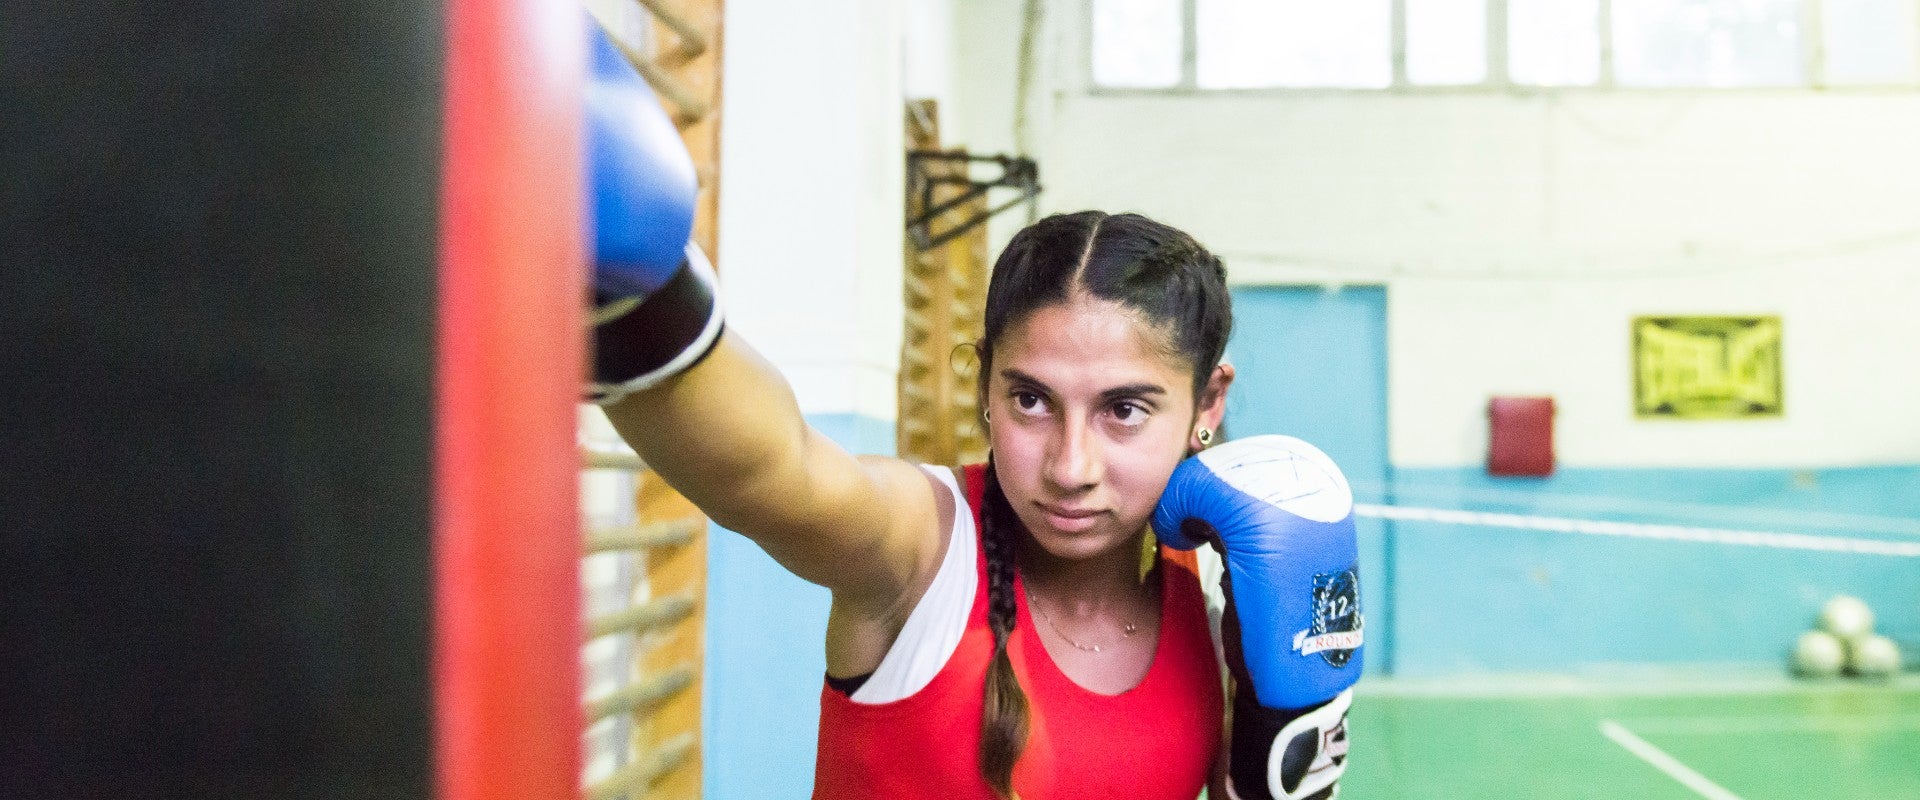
<point>1498,80</point>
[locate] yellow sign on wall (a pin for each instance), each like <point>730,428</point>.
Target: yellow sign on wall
<point>1706,367</point>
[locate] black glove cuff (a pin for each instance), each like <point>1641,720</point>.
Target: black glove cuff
<point>1287,754</point>
<point>667,333</point>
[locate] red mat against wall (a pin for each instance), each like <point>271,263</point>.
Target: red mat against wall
<point>1520,436</point>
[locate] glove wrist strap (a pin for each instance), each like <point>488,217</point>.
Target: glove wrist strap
<point>659,336</point>
<point>1287,754</point>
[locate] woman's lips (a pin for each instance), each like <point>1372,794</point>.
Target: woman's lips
<point>1070,519</point>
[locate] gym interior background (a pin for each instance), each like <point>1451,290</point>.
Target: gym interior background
<point>1412,228</point>
<point>1692,224</point>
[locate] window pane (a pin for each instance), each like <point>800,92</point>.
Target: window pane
<point>1446,41</point>
<point>1868,41</point>
<point>1706,42</point>
<point>1136,43</point>
<point>1299,43</point>
<point>1553,42</point>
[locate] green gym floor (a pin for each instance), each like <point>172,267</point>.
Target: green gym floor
<point>1749,739</point>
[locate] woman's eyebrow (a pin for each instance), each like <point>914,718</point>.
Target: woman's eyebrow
<point>1132,390</point>
<point>1016,376</point>
<point>1127,390</point>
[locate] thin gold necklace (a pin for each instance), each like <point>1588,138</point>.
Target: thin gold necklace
<point>1127,631</point>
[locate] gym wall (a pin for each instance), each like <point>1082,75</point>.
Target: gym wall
<point>1516,235</point>
<point>811,231</point>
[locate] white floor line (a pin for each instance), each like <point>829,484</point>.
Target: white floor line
<point>1777,723</point>
<point>1637,530</point>
<point>1665,763</point>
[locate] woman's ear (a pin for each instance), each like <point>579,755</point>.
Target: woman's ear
<point>1213,408</point>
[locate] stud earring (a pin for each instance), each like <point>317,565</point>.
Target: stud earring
<point>1206,437</point>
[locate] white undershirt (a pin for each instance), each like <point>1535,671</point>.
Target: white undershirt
<point>934,628</point>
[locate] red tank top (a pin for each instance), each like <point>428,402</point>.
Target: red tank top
<point>1157,740</point>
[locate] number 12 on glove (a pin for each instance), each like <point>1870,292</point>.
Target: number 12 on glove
<point>1281,514</point>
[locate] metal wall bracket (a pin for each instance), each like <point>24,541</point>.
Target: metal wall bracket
<point>1016,172</point>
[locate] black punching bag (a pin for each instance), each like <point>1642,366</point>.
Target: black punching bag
<point>254,405</point>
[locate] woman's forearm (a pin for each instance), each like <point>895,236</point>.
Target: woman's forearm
<point>728,434</point>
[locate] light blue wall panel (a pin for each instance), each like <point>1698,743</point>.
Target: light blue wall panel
<point>1477,599</point>
<point>766,634</point>
<point>1312,363</point>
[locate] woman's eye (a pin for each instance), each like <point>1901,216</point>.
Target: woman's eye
<point>1027,401</point>
<point>1129,413</point>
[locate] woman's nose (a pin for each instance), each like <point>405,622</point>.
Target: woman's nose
<point>1076,460</point>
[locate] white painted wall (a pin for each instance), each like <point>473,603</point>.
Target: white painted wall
<point>1852,373</point>
<point>928,57</point>
<point>1519,233</point>
<point>811,192</point>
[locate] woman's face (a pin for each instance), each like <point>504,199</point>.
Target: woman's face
<point>1088,417</point>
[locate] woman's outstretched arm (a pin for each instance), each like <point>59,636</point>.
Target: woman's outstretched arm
<point>729,435</point>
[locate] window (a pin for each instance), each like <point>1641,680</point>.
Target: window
<point>1553,42</point>
<point>1706,42</point>
<point>1380,44</point>
<point>1867,42</point>
<point>1446,42</point>
<point>1246,44</point>
<point>1136,43</point>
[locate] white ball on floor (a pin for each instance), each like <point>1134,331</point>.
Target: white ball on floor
<point>1873,657</point>
<point>1847,617</point>
<point>1818,654</point>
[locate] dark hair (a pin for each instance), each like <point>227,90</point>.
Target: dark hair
<point>1177,287</point>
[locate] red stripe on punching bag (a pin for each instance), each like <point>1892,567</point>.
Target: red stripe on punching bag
<point>506,526</point>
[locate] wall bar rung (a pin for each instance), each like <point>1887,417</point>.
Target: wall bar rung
<point>656,613</point>
<point>915,320</point>
<point>692,41</point>
<point>642,537</point>
<point>692,109</point>
<point>641,696</point>
<point>913,357</point>
<point>640,774</point>
<point>599,459</point>
<point>917,288</point>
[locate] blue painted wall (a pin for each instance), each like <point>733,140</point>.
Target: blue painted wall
<point>766,635</point>
<point>1490,600</point>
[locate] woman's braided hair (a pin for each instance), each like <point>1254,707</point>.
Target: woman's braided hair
<point>1177,287</point>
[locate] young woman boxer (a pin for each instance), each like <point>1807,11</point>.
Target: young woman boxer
<point>995,630</point>
<point>1099,373</point>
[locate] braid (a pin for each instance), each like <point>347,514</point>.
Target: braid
<point>1003,723</point>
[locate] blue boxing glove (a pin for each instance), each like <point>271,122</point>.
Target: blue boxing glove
<point>656,311</point>
<point>1283,516</point>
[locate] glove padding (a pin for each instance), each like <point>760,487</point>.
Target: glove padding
<point>1282,515</point>
<point>640,175</point>
<point>656,312</point>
